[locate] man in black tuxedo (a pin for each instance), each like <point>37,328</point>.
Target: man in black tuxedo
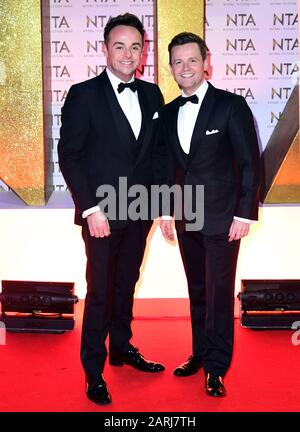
<point>212,142</point>
<point>108,126</point>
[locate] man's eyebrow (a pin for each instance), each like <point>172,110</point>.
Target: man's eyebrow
<point>122,43</point>
<point>189,58</point>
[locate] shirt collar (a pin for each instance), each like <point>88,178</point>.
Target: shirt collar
<point>114,80</point>
<point>200,92</point>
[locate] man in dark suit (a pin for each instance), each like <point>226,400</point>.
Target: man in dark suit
<point>211,142</point>
<point>108,124</point>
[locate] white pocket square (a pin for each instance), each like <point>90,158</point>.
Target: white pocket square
<point>155,115</point>
<point>213,131</point>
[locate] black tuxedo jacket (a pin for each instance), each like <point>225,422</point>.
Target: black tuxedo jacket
<point>224,157</point>
<point>97,144</point>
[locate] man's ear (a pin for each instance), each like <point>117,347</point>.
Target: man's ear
<point>171,70</point>
<point>104,49</point>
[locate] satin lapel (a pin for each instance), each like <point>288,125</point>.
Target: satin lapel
<point>120,122</point>
<point>202,120</point>
<point>147,123</point>
<point>173,131</point>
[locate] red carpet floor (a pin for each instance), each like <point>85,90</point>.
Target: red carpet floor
<point>42,372</point>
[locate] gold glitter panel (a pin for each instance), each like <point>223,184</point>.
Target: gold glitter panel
<point>175,17</point>
<point>286,187</point>
<point>281,157</point>
<point>22,161</point>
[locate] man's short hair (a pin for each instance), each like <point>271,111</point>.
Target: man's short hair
<point>187,37</point>
<point>126,19</point>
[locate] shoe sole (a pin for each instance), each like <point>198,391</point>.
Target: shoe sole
<point>216,395</point>
<point>120,363</point>
<point>98,402</point>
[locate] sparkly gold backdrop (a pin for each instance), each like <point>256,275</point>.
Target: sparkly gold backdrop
<point>281,157</point>
<point>175,17</point>
<point>286,186</point>
<point>22,165</point>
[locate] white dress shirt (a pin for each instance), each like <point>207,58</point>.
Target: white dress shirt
<point>187,116</point>
<point>129,102</point>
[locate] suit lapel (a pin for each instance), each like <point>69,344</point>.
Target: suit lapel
<point>173,131</point>
<point>202,120</point>
<point>146,132</point>
<point>146,129</point>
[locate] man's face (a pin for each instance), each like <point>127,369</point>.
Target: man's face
<point>187,67</point>
<point>124,51</point>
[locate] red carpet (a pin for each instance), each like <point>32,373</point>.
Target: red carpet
<point>42,372</point>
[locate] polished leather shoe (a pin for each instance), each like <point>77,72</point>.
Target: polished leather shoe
<point>214,386</point>
<point>97,391</point>
<point>135,359</point>
<point>190,367</point>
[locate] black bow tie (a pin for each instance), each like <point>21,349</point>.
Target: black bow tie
<point>132,85</point>
<point>183,100</point>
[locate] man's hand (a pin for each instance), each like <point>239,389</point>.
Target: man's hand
<point>98,225</point>
<point>167,229</point>
<point>238,230</point>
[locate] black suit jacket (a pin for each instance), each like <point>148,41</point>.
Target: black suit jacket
<point>225,162</point>
<point>97,144</point>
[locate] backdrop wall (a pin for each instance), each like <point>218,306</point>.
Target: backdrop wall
<point>254,46</point>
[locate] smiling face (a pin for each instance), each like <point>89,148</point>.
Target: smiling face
<point>187,67</point>
<point>123,51</point>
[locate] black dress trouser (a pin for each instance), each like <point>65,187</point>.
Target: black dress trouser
<point>113,265</point>
<point>210,267</point>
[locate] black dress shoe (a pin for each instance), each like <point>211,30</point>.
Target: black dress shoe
<point>190,367</point>
<point>97,391</point>
<point>135,359</point>
<point>214,386</point>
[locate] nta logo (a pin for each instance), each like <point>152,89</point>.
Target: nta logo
<point>240,20</point>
